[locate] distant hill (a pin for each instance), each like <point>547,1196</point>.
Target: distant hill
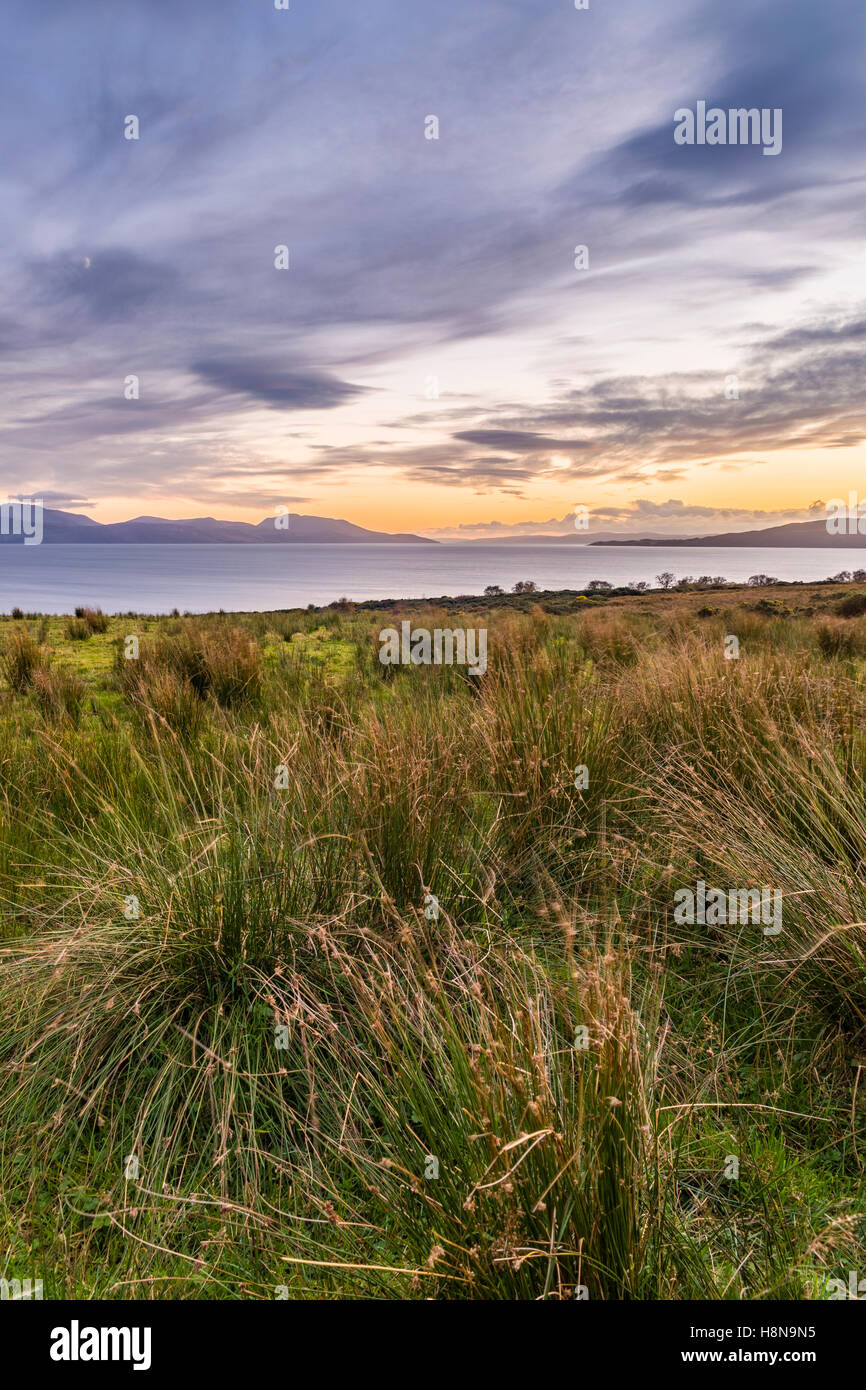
<point>795,534</point>
<point>69,528</point>
<point>550,538</point>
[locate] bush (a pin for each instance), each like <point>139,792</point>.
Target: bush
<point>58,692</point>
<point>835,640</point>
<point>222,662</point>
<point>173,699</point>
<point>94,618</point>
<point>853,606</point>
<point>77,630</point>
<point>22,658</point>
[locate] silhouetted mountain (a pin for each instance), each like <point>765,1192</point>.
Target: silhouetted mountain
<point>553,538</point>
<point>795,534</point>
<point>70,528</point>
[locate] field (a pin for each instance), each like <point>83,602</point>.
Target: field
<point>326,979</point>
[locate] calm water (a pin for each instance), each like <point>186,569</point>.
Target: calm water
<point>201,578</point>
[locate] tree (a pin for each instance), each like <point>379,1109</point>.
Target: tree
<point>525,586</point>
<point>493,591</point>
<point>666,580</point>
<point>859,576</point>
<point>760,581</point>
<point>595,585</point>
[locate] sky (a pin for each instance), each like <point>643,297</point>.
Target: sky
<point>432,359</point>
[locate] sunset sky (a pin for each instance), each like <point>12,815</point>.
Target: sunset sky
<point>418,264</point>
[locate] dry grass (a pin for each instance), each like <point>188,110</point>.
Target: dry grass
<point>227,970</point>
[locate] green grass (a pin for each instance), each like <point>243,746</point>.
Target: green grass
<point>226,973</point>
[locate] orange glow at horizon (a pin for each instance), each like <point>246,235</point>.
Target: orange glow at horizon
<point>786,481</point>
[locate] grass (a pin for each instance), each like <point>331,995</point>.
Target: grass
<point>323,979</point>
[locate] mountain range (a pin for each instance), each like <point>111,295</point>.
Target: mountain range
<point>71,528</point>
<point>557,538</point>
<point>795,534</point>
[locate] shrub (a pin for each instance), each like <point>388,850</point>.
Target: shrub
<point>22,658</point>
<point>853,606</point>
<point>222,662</point>
<point>173,699</point>
<point>835,640</point>
<point>58,692</point>
<point>94,618</point>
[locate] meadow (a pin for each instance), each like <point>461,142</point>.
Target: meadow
<point>324,979</point>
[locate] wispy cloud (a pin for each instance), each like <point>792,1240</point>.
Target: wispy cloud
<point>413,258</point>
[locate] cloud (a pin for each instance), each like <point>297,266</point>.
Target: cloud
<point>412,257</point>
<point>67,500</point>
<point>786,399</point>
<point>107,286</point>
<point>289,390</point>
<point>518,441</point>
<point>672,517</point>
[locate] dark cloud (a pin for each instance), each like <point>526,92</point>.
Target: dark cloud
<point>518,441</point>
<point>287,390</point>
<point>808,336</point>
<point>65,499</point>
<point>778,55</point>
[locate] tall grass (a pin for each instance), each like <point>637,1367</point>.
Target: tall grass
<point>382,1004</point>
<point>22,657</point>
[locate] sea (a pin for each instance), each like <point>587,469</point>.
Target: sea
<point>259,578</point>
